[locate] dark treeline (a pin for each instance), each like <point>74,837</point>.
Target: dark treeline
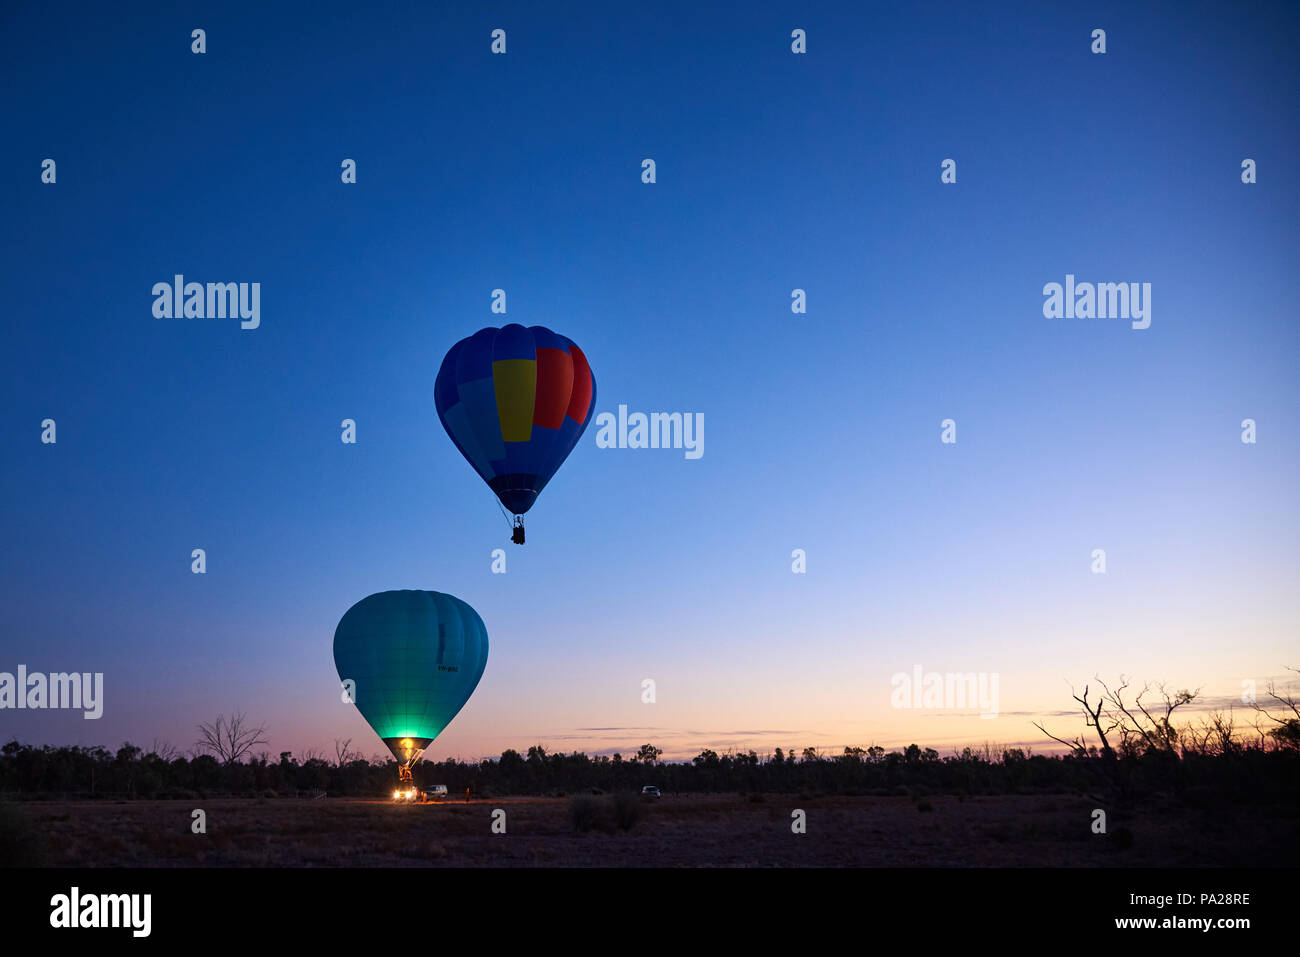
<point>1141,750</point>
<point>1247,774</point>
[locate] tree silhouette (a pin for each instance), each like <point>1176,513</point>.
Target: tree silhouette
<point>229,739</point>
<point>1287,734</point>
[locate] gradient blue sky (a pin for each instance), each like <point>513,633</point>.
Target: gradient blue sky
<point>775,171</point>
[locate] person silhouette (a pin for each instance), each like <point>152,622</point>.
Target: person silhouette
<point>517,534</point>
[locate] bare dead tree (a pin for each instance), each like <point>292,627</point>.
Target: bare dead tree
<point>1223,739</point>
<point>343,753</point>
<point>1216,734</point>
<point>1093,718</point>
<point>1261,734</point>
<point>1154,732</point>
<point>164,750</point>
<point>1075,744</point>
<point>1199,739</point>
<point>1144,722</point>
<point>1287,734</point>
<point>229,739</point>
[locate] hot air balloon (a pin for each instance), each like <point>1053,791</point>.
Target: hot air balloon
<point>413,659</point>
<point>515,401</point>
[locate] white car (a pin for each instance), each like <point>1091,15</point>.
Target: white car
<point>412,794</point>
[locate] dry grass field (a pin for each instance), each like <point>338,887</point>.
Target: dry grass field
<point>690,831</point>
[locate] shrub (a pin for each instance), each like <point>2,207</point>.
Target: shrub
<point>628,809</point>
<point>586,812</point>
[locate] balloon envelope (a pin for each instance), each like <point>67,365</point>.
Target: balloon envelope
<point>415,658</point>
<point>515,401</point>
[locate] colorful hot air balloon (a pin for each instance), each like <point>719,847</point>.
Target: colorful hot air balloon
<point>414,658</point>
<point>515,401</point>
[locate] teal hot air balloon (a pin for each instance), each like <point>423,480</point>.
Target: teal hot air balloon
<point>414,658</point>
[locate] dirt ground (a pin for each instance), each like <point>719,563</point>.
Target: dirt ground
<point>690,830</point>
